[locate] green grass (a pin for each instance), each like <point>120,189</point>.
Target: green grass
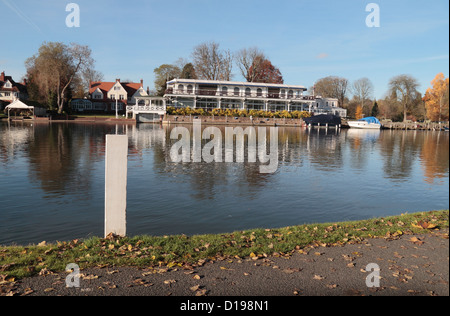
<point>171,251</point>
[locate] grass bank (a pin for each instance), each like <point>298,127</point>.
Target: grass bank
<point>184,251</point>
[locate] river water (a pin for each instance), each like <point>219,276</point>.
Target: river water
<point>52,181</point>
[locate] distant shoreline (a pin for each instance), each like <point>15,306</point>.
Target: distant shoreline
<point>218,120</point>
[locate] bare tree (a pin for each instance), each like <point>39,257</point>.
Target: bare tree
<point>211,63</point>
<point>332,87</point>
<point>250,62</point>
<point>90,75</point>
<point>404,87</point>
<point>55,67</point>
<point>362,89</point>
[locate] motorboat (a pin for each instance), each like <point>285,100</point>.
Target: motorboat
<point>366,123</point>
<point>323,120</point>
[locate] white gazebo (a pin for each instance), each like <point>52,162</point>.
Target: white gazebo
<point>19,105</point>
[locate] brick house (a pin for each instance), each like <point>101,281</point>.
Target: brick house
<point>103,95</point>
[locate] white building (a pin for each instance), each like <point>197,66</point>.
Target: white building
<point>209,94</point>
<point>11,90</point>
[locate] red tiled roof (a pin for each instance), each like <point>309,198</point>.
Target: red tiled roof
<point>103,86</point>
<point>130,87</point>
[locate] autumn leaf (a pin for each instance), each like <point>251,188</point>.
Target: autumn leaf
<point>424,225</point>
<point>195,288</point>
<point>416,240</point>
<point>169,282</point>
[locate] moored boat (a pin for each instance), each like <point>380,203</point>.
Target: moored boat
<point>366,123</point>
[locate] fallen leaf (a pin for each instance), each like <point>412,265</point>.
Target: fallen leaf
<point>424,225</point>
<point>318,277</point>
<point>170,282</point>
<point>89,277</point>
<point>416,240</point>
<point>200,293</point>
<point>195,288</point>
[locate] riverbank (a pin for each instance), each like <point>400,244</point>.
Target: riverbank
<point>186,251</point>
<point>411,251</point>
<point>221,120</point>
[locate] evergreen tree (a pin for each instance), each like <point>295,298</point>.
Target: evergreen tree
<point>375,110</point>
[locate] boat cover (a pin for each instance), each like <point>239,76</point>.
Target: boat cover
<point>371,119</point>
<point>323,119</point>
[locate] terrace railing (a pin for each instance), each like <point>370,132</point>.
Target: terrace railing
<point>147,108</point>
<point>240,94</point>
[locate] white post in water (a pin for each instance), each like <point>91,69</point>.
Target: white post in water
<point>116,184</point>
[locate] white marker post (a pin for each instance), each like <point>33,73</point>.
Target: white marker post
<point>116,184</point>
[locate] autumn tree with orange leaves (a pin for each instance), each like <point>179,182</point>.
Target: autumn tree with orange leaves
<point>436,99</point>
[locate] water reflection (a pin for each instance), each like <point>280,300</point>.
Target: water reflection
<point>434,156</point>
<point>322,175</point>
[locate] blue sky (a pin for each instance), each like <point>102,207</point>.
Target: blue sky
<point>306,39</point>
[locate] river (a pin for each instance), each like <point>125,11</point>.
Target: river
<point>52,181</point>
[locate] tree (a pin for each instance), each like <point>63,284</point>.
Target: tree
<point>188,72</point>
<point>332,87</point>
<point>247,59</point>
<point>362,90</point>
<point>266,73</point>
<point>404,88</point>
<point>436,99</point>
<point>211,63</point>
<point>55,68</point>
<point>375,109</point>
<point>82,83</point>
<point>163,74</point>
<point>359,112</point>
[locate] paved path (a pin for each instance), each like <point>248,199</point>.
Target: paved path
<point>411,265</point>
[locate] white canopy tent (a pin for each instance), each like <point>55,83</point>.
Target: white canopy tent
<point>19,105</point>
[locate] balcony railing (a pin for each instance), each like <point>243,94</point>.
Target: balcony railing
<point>148,108</point>
<point>240,94</point>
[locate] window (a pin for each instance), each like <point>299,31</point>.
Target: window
<point>190,89</point>
<point>113,96</point>
<point>259,92</point>
<point>247,91</point>
<point>224,91</point>
<point>236,91</point>
<point>290,94</point>
<point>282,93</point>
<point>181,88</point>
<point>121,97</point>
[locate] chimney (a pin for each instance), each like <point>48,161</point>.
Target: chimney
<point>142,83</point>
<point>118,80</point>
<point>2,76</point>
<point>24,81</point>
